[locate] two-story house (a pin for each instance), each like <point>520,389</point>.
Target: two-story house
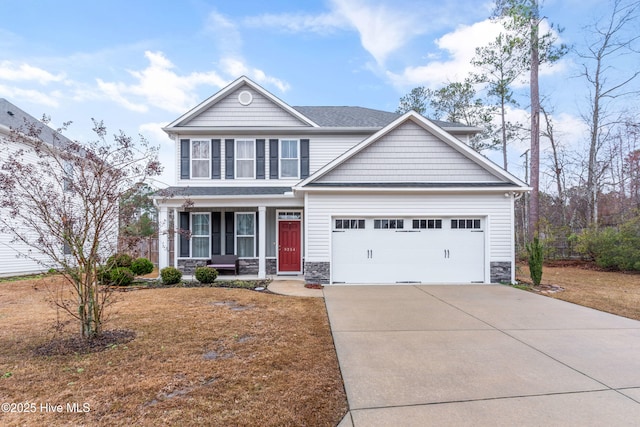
<point>339,194</point>
<point>16,257</point>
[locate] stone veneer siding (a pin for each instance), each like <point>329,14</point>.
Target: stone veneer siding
<point>272,266</point>
<point>501,272</point>
<point>317,272</point>
<point>188,266</point>
<point>245,266</point>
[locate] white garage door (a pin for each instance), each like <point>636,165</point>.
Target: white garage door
<point>408,250</point>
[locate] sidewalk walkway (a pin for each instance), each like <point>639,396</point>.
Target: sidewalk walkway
<point>292,287</point>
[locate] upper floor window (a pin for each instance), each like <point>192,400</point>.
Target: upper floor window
<point>245,158</point>
<point>200,158</point>
<point>289,158</point>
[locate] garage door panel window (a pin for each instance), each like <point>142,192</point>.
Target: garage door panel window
<point>349,224</point>
<point>388,224</point>
<point>465,224</point>
<point>421,224</point>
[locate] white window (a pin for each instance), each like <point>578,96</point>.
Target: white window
<point>245,158</point>
<point>200,158</point>
<point>289,158</point>
<point>68,175</point>
<point>200,235</point>
<point>245,234</point>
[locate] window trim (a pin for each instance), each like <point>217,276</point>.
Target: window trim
<point>208,235</point>
<point>199,159</point>
<point>280,158</point>
<point>236,235</point>
<point>236,159</point>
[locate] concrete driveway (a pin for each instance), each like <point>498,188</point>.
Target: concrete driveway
<point>481,355</point>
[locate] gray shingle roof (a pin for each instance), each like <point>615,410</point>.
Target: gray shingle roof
<point>412,184</point>
<point>221,191</point>
<point>15,118</point>
<point>357,117</point>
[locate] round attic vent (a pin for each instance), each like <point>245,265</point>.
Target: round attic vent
<point>245,97</point>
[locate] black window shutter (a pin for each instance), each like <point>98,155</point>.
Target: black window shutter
<point>184,235</point>
<point>304,158</point>
<point>215,159</point>
<point>185,158</point>
<point>229,158</point>
<point>216,234</point>
<point>273,159</point>
<point>260,159</point>
<point>229,229</point>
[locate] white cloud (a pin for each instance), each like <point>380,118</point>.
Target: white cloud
<point>30,95</point>
<point>383,29</point>
<point>160,86</point>
<point>236,68</point>
<point>383,26</point>
<point>458,47</point>
<point>153,132</point>
<point>325,23</point>
<point>24,72</point>
<point>225,33</point>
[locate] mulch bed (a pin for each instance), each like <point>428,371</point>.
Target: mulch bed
<point>79,345</point>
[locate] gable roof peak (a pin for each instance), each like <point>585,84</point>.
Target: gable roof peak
<point>230,88</point>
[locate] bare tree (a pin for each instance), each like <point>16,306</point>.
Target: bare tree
<point>522,17</point>
<point>557,165</point>
<point>66,195</point>
<point>614,37</point>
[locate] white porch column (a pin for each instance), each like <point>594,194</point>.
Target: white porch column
<point>176,236</point>
<point>262,242</point>
<point>163,237</point>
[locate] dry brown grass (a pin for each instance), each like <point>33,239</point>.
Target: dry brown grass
<point>202,356</point>
<point>613,292</point>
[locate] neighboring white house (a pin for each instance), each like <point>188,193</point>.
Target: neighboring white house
<point>339,194</point>
<point>12,254</point>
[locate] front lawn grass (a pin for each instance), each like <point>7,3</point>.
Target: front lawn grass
<point>200,356</point>
<point>584,284</point>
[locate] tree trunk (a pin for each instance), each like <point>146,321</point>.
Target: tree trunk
<point>504,132</point>
<point>534,201</point>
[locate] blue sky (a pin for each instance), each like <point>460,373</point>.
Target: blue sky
<point>140,64</point>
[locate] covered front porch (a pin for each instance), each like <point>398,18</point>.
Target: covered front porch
<point>265,233</point>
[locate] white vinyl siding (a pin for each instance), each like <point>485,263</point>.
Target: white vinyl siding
<point>200,158</point>
<point>495,207</point>
<point>245,158</point>
<point>325,148</point>
<point>200,235</point>
<point>230,112</point>
<point>289,158</point>
<point>409,154</point>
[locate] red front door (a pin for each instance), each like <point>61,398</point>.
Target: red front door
<point>289,246</point>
